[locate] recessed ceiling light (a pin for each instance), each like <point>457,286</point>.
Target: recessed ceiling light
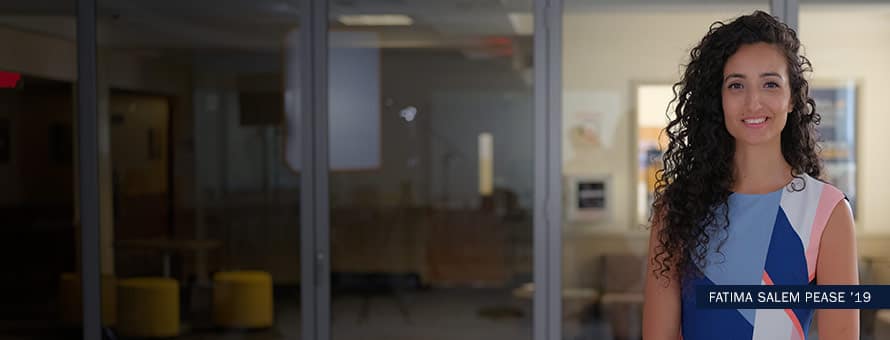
<point>376,20</point>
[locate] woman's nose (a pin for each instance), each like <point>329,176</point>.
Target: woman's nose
<point>753,101</point>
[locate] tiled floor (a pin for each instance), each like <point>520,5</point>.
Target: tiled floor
<point>440,314</point>
<point>434,315</point>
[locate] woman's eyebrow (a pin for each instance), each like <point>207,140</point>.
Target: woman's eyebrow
<point>734,75</point>
<point>762,75</point>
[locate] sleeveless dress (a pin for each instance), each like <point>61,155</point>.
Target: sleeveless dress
<point>772,239</point>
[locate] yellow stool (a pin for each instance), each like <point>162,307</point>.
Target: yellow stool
<point>71,300</point>
<point>242,299</point>
<point>148,307</point>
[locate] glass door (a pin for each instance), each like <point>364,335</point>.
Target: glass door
<point>202,217</point>
<point>430,170</point>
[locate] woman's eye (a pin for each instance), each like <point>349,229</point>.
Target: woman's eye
<point>735,86</point>
<point>771,85</point>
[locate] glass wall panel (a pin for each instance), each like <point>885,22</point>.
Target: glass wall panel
<point>201,215</point>
<point>40,287</point>
<point>431,170</point>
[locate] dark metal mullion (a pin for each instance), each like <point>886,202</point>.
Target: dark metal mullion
<point>554,169</point>
<point>314,231</point>
<point>307,183</point>
<point>539,238</point>
<point>786,10</point>
<point>547,317</point>
<point>307,175</point>
<point>792,10</point>
<point>88,162</point>
<point>777,8</point>
<point>322,212</point>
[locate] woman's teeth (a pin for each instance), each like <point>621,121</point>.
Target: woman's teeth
<point>755,121</point>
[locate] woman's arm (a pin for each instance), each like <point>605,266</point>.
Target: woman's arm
<point>837,265</point>
<point>661,303</point>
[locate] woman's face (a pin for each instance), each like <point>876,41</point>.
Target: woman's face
<point>756,94</point>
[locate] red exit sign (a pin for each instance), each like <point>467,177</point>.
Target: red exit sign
<point>9,79</point>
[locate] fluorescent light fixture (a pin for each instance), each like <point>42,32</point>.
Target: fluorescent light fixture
<point>486,164</point>
<point>376,20</point>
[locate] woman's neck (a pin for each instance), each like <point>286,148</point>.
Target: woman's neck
<point>760,169</point>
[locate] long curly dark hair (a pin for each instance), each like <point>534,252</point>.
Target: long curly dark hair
<point>696,180</point>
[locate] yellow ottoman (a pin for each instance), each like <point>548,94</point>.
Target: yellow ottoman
<point>242,299</point>
<point>148,307</point>
<point>71,301</point>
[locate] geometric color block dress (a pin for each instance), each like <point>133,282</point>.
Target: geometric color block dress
<point>773,238</point>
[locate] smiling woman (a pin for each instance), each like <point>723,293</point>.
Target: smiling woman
<point>756,95</point>
<point>740,200</point>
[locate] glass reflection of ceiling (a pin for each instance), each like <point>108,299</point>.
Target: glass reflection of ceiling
<point>259,24</point>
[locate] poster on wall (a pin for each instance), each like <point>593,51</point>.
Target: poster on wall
<point>836,103</point>
<point>588,199</point>
<point>590,122</point>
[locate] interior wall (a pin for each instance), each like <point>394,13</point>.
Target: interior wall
<point>856,46</point>
<point>39,171</point>
<point>38,55</point>
<point>45,56</point>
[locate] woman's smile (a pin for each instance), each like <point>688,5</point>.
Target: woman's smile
<point>755,122</point>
